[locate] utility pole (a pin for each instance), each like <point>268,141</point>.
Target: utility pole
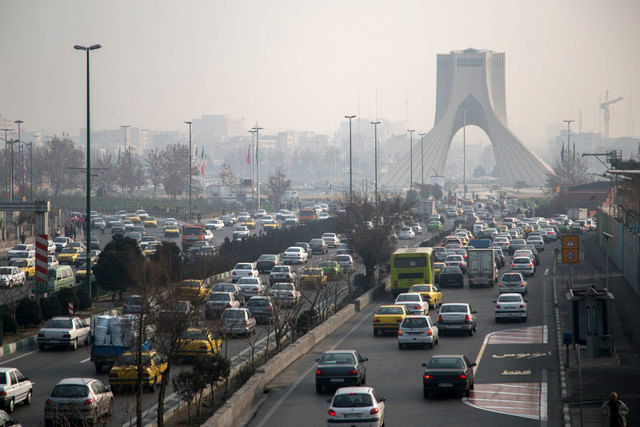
<point>411,131</point>
<point>375,159</point>
<point>88,215</point>
<point>350,162</point>
<point>126,152</point>
<point>257,130</point>
<point>6,161</point>
<point>190,171</point>
<point>464,153</point>
<point>18,122</point>
<point>31,168</point>
<point>568,122</point>
<point>422,135</point>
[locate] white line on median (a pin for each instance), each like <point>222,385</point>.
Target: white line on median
<point>543,397</point>
<point>19,357</point>
<point>275,407</point>
<point>85,360</point>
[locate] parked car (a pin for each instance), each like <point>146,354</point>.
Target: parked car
<point>14,388</point>
<point>237,321</point>
<point>63,331</point>
<point>457,317</point>
<point>418,330</point>
<point>446,373</point>
<point>339,368</point>
<point>363,404</point>
<point>81,399</point>
<point>511,306</point>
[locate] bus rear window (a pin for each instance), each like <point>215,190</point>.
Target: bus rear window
<point>192,231</point>
<point>409,262</point>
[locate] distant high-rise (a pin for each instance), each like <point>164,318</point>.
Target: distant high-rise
<point>471,91</point>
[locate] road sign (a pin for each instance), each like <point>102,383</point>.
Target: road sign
<point>570,248</point>
<point>42,257</point>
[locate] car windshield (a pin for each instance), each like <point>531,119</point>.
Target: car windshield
<point>408,297</point>
<point>6,270</point>
<point>130,360</point>
<point>414,322</point>
<point>390,310</point>
<point>196,335</point>
<point>510,298</point>
<point>59,240</point>
<point>258,302</point>
<point>69,251</point>
<point>454,258</point>
<point>522,261</point>
<point>326,264</point>
<point>313,272</point>
<point>511,278</point>
<point>445,362</point>
<point>192,231</point>
<point>337,359</point>
<point>70,390</point>
<point>282,287</point>
<point>420,288</point>
<point>352,400</point>
<point>343,258</point>
<point>220,297</point>
<point>58,324</point>
<point>224,288</point>
<point>244,267</point>
<point>281,269</point>
<point>267,258</point>
<point>453,308</point>
<point>233,314</point>
<point>316,242</point>
<point>248,281</point>
<point>450,270</point>
<point>20,248</point>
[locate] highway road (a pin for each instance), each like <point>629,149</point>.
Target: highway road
<point>516,379</point>
<point>48,367</point>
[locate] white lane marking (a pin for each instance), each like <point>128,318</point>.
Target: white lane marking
<point>285,396</point>
<point>546,271</point>
<point>543,397</point>
<point>85,360</point>
<point>509,407</point>
<point>502,400</point>
<point>495,411</point>
<point>19,357</point>
<point>505,392</point>
<point>545,335</point>
<point>519,386</point>
<point>481,352</point>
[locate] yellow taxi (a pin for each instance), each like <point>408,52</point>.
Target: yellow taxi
<point>150,222</point>
<point>271,225</point>
<point>527,228</point>
<point>313,276</point>
<point>429,293</point>
<point>151,248</point>
<point>28,265</point>
<point>81,271</point>
<point>134,218</point>
<point>388,318</point>
<point>437,266</point>
<point>248,222</point>
<point>198,343</point>
<point>68,255</point>
<point>193,289</point>
<point>171,231</point>
<point>124,373</point>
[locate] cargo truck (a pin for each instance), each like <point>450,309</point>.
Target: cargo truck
<point>111,337</point>
<point>482,267</point>
<point>577,213</point>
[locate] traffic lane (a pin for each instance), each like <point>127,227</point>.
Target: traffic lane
<point>396,374</point>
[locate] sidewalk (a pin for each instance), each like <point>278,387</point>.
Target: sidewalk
<point>601,376</point>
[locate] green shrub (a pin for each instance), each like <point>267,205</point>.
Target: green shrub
<point>306,321</point>
<point>28,312</point>
<point>50,307</point>
<point>9,324</point>
<point>83,299</point>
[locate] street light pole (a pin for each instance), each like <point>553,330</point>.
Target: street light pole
<point>190,171</point>
<point>568,122</point>
<point>375,160</point>
<point>257,130</point>
<point>422,135</point>
<point>88,215</point>
<point>6,159</point>
<point>350,162</point>
<point>18,122</point>
<point>411,131</point>
<point>31,168</point>
<point>126,157</point>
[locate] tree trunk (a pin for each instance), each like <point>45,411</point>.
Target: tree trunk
<point>161,393</point>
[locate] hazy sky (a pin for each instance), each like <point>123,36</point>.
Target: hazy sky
<point>302,64</point>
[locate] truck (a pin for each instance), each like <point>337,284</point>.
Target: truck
<point>577,213</point>
<point>111,337</point>
<point>482,267</point>
<point>426,208</point>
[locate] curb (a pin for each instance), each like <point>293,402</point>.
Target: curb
<point>566,417</point>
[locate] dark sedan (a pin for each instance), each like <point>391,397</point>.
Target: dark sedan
<point>451,276</point>
<point>266,263</point>
<point>261,308</point>
<point>447,373</point>
<point>339,368</point>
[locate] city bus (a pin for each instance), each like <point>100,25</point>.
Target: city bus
<point>307,215</point>
<point>408,267</point>
<point>191,233</point>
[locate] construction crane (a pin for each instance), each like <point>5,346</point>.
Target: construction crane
<point>604,106</point>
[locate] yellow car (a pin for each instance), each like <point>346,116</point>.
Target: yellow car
<point>463,237</point>
<point>150,222</point>
<point>502,228</point>
<point>125,373</point>
<point>81,272</point>
<point>527,228</point>
<point>249,223</point>
<point>271,225</point>
<point>28,265</point>
<point>388,318</point>
<point>313,276</point>
<point>171,231</point>
<point>193,289</point>
<point>437,266</point>
<point>68,255</point>
<point>198,342</point>
<point>134,218</point>
<point>429,293</point>
<point>151,248</point>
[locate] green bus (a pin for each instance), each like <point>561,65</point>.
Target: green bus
<point>59,276</point>
<point>408,267</point>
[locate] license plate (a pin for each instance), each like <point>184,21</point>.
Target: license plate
<point>337,380</point>
<point>445,385</point>
<point>352,415</point>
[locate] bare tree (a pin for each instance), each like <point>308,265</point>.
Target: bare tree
<point>567,172</point>
<point>153,163</point>
<point>277,185</point>
<point>187,385</point>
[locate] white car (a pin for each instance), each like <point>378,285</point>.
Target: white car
<point>170,221</point>
<point>537,242</point>
<point>295,255</point>
<point>52,260</point>
<point>406,233</point>
<point>331,240</point>
<point>456,261</point>
<point>240,232</point>
<point>251,286</point>
<point>214,225</point>
<point>11,276</point>
<point>18,249</point>
<point>51,247</point>
<point>511,306</point>
<point>142,214</point>
<point>418,330</point>
<point>243,269</point>
<point>502,242</point>
<point>524,265</point>
<point>345,261</point>
<point>414,303</point>
<point>512,282</point>
<point>208,235</point>
<point>416,228</point>
<point>14,388</point>
<point>357,403</point>
<point>86,400</point>
<point>218,301</point>
<point>63,332</point>
<point>285,293</point>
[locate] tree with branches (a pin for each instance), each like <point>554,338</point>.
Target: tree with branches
<point>61,155</point>
<point>153,164</point>
<point>277,186</point>
<point>566,173</point>
<point>118,265</point>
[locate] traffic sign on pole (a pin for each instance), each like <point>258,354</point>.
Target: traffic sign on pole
<point>570,248</point>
